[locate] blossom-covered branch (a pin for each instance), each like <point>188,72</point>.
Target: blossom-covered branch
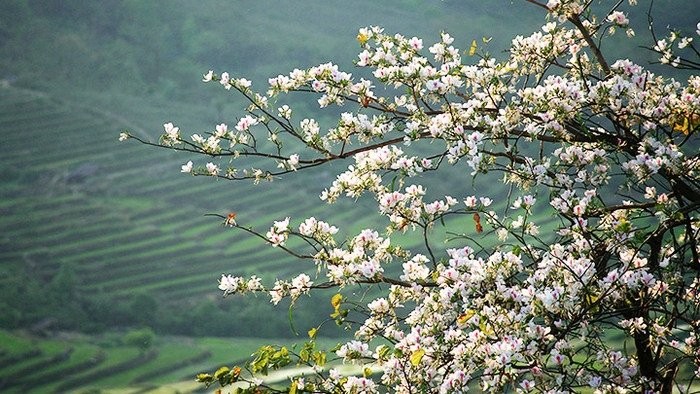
<point>587,277</point>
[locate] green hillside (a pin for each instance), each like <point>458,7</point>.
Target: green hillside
<point>99,238</point>
<point>91,238</point>
<point>111,362</point>
<point>101,234</point>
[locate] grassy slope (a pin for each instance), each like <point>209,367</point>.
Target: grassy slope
<point>84,363</point>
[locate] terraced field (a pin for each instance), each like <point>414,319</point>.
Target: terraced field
<point>120,214</point>
<point>85,364</point>
<point>126,222</point>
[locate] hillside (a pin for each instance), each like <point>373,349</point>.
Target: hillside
<point>101,237</point>
<point>94,223</point>
<point>85,220</point>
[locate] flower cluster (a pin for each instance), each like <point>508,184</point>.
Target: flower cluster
<point>361,260</point>
<point>597,230</point>
<point>278,233</point>
<point>236,284</point>
<point>299,285</point>
<point>318,230</point>
<point>653,157</point>
<point>683,42</point>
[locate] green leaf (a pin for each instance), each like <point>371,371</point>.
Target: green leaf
<point>517,250</point>
<point>291,319</point>
<point>312,333</point>
<point>221,372</point>
<point>320,358</point>
<point>205,378</point>
<point>384,352</point>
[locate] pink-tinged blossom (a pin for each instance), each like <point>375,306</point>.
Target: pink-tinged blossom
<point>360,385</point>
<point>388,201</point>
<point>246,122</point>
<point>370,269</point>
<point>354,350</point>
<point>527,385</point>
<point>225,80</point>
<point>650,193</point>
<point>364,58</point>
<point>415,269</point>
<point>285,111</point>
<point>278,292</point>
<point>470,202</point>
<point>618,18</point>
<point>595,381</point>
<point>212,169</point>
<point>232,284</point>
<point>379,306</point>
<point>278,233</point>
<point>485,201</point>
<point>171,132</point>
<point>187,167</point>
<point>300,285</point>
<point>243,83</point>
<point>318,229</point>
<point>221,130</point>
<point>416,43</point>
<point>254,284</point>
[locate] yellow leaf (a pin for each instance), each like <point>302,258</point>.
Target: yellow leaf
<point>417,356</point>
<point>472,48</point>
<point>592,298</point>
<point>683,126</point>
<point>335,301</point>
<point>685,122</point>
<point>464,317</point>
<point>204,377</point>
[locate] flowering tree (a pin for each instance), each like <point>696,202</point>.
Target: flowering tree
<point>604,151</point>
